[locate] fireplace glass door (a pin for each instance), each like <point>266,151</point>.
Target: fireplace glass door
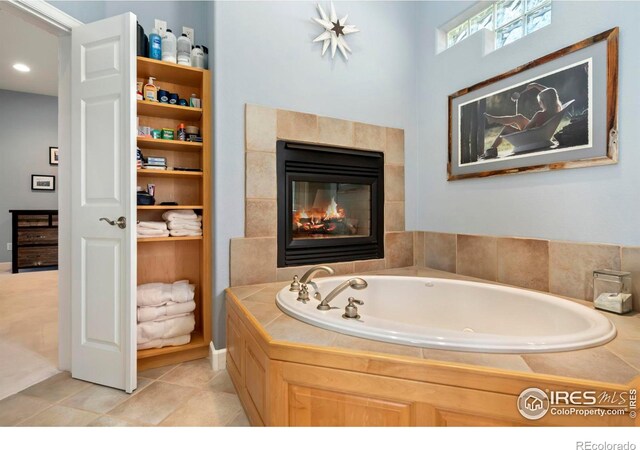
<point>330,204</point>
<point>323,210</point>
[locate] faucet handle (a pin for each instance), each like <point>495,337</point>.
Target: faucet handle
<point>303,294</point>
<point>351,310</point>
<point>295,285</point>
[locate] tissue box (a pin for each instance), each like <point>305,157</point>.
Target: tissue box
<point>612,291</point>
<point>614,302</point>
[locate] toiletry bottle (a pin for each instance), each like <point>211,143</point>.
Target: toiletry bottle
<point>139,90</point>
<point>206,56</point>
<point>182,133</point>
<point>197,57</point>
<point>169,50</point>
<point>140,45</point>
<point>151,91</point>
<point>155,45</point>
<point>184,50</point>
<point>194,101</point>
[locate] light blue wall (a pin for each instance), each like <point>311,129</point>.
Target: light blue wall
<point>591,204</point>
<point>176,13</point>
<point>29,128</point>
<point>264,55</point>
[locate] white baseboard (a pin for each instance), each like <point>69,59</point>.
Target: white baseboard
<point>218,357</point>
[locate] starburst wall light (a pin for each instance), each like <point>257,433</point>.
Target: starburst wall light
<point>334,32</point>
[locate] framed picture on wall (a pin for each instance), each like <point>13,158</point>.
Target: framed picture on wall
<point>53,156</point>
<point>43,183</point>
<point>557,112</point>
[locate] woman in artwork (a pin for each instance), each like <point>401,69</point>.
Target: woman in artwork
<point>549,102</point>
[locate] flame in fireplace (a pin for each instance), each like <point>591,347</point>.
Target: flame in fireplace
<point>332,210</point>
<point>318,220</point>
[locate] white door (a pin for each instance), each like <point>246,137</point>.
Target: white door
<point>103,257</point>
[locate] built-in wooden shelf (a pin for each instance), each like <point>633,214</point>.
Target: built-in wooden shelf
<point>197,341</point>
<point>169,239</point>
<point>167,259</point>
<point>167,207</point>
<point>163,71</point>
<point>164,144</point>
<point>167,111</point>
<point>169,173</point>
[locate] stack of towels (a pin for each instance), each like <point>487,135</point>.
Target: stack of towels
<point>183,222</point>
<point>152,229</point>
<point>165,314</point>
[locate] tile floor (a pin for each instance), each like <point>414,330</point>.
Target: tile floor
<point>188,394</point>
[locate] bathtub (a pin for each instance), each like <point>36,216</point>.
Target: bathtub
<point>454,315</point>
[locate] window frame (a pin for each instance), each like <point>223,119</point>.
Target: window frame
<point>466,23</point>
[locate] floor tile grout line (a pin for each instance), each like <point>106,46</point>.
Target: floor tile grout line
<point>624,359</point>
<point>184,401</point>
<point>33,415</point>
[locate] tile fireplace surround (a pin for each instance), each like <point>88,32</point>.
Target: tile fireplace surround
<point>253,257</point>
<point>563,268</point>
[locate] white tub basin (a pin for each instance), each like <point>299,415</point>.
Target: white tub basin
<point>455,315</point>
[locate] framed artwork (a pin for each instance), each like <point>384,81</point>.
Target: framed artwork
<point>557,112</point>
<point>53,156</point>
<point>43,183</point>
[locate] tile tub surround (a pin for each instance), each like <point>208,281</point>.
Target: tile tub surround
<point>253,257</point>
<point>558,267</point>
<point>622,355</point>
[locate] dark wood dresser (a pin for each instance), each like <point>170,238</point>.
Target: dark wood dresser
<point>35,239</point>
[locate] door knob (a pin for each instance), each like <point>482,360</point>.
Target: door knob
<point>121,222</point>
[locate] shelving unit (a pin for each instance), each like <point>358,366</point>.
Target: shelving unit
<point>167,111</point>
<point>168,173</point>
<point>169,259</point>
<point>167,207</point>
<point>162,144</point>
<point>169,239</point>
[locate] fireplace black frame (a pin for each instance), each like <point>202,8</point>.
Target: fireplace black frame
<point>305,162</point>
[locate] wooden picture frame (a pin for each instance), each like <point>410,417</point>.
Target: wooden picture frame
<point>43,182</point>
<point>488,137</point>
<point>53,156</point>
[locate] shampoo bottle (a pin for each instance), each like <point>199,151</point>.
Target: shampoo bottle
<point>155,45</point>
<point>184,50</point>
<point>169,51</point>
<point>151,91</point>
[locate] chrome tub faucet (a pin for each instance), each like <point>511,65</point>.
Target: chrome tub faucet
<point>355,283</point>
<point>301,286</point>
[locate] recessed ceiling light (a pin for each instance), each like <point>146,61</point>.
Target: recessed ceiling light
<point>21,67</point>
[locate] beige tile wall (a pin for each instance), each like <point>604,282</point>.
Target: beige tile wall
<point>253,257</point>
<point>564,268</point>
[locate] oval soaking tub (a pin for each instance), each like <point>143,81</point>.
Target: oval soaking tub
<point>454,315</point>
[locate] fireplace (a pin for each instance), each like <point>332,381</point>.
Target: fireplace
<point>330,204</point>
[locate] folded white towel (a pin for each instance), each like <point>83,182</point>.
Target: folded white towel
<point>182,291</point>
<point>180,233</point>
<point>168,310</point>
<point>164,329</point>
<point>181,214</point>
<point>148,232</point>
<point>159,343</point>
<point>152,225</point>
<point>153,294</point>
<point>156,294</point>
<point>180,219</point>
<point>182,225</point>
